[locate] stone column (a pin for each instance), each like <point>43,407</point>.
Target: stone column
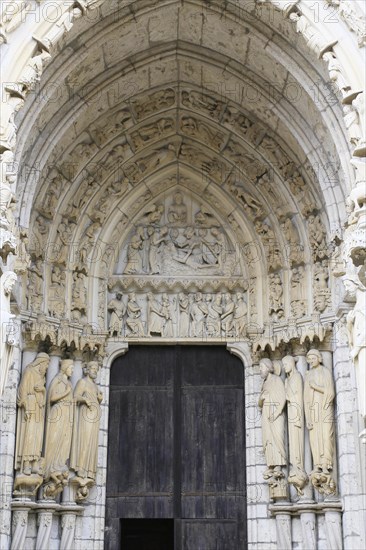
<point>308,517</point>
<point>29,353</point>
<point>333,522</point>
<point>68,524</point>
<point>308,526</point>
<point>78,367</point>
<point>283,529</point>
<point>54,366</point>
<point>44,520</point>
<point>20,524</point>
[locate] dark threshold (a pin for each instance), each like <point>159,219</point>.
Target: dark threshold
<point>147,534</point>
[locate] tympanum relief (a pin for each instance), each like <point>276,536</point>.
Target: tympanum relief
<point>180,238</point>
<point>178,245</point>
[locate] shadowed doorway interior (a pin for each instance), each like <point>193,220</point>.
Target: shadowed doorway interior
<point>176,450</point>
<point>147,534</point>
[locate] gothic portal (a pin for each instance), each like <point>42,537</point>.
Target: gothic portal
<point>183,288</point>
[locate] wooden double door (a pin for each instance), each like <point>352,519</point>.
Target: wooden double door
<point>176,450</point>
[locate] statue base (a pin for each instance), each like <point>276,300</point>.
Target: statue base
<point>278,489</point>
<point>81,487</point>
<point>323,483</point>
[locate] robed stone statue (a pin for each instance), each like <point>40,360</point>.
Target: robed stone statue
<point>84,452</point>
<point>31,400</point>
<point>319,396</point>
<point>296,423</point>
<point>272,402</point>
<point>59,422</point>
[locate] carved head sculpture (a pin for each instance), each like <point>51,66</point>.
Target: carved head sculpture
<point>178,198</point>
<point>67,367</point>
<point>92,369</point>
<point>150,230</point>
<point>41,362</point>
<point>265,367</point>
<point>288,364</point>
<point>314,358</point>
<point>119,296</point>
<point>9,279</point>
<point>189,232</point>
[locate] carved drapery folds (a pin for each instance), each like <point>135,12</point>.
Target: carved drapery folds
<point>57,433</point>
<point>84,452</point>
<point>319,395</point>
<point>31,401</point>
<point>312,401</point>
<point>59,422</point>
<point>272,402</point>
<point>296,423</point>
